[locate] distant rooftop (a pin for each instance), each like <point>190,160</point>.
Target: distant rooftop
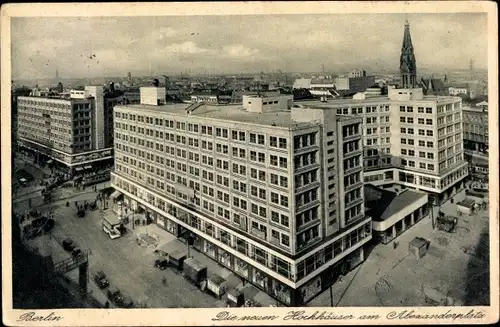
<point>381,204</point>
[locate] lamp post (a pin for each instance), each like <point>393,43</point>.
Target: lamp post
<point>431,205</point>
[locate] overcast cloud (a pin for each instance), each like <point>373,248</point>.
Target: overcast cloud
<point>231,44</point>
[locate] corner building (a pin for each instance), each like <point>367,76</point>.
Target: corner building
<point>66,129</point>
<point>257,186</point>
<point>409,139</point>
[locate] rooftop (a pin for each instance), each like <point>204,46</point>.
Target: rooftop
<point>381,204</point>
<point>234,113</point>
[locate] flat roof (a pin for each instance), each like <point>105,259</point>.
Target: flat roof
<point>381,204</point>
<point>234,113</point>
<point>336,102</point>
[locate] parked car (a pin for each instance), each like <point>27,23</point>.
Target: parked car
<point>161,264</point>
<point>125,302</point>
<point>101,280</point>
<point>115,295</point>
<point>77,252</point>
<point>68,244</point>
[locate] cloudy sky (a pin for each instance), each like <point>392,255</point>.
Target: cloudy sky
<point>230,44</point>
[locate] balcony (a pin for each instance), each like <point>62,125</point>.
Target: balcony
<point>302,207</point>
<point>350,137</point>
<point>353,186</point>
<point>258,233</point>
<point>352,170</point>
<point>353,203</point>
<point>306,187</point>
<point>301,169</point>
<point>306,149</point>
<point>275,241</point>
<point>352,153</point>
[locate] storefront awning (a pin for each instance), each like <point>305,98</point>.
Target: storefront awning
<point>115,194</point>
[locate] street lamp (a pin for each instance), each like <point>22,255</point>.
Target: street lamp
<point>431,205</point>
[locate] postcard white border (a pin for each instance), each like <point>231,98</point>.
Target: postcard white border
<point>196,317</point>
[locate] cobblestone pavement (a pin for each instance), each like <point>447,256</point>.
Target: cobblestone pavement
<point>456,265</point>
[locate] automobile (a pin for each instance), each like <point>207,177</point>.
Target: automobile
<point>125,302</point>
<point>101,280</point>
<point>80,212</point>
<point>161,264</point>
<point>68,244</point>
<point>77,252</point>
<point>115,295</point>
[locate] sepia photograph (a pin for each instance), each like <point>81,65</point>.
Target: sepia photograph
<point>264,163</point>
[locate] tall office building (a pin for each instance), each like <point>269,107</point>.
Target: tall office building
<point>67,128</point>
<point>257,185</point>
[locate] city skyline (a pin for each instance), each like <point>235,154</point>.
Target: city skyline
<point>205,45</point>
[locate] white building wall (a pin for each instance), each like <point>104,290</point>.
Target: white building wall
<point>98,120</point>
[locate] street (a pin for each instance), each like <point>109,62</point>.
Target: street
<point>127,265</point>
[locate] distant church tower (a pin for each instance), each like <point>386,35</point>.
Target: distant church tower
<point>408,65</point>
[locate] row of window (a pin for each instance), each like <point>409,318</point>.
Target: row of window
<point>421,143</point>
<point>421,121</point>
<point>421,154</point>
<point>411,163</point>
<point>359,110</point>
<point>255,138</point>
<point>421,132</point>
<point>428,110</point>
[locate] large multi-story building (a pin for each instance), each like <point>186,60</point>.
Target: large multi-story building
<point>409,139</point>
<point>476,127</point>
<point>68,130</point>
<point>257,185</point>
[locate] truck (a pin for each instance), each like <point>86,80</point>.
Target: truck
<point>194,271</point>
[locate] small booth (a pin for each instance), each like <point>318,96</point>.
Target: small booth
<point>235,298</point>
<point>194,271</point>
<point>217,285</point>
<point>177,258</point>
<point>419,247</point>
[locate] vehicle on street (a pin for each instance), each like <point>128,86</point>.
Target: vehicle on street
<point>112,226</point>
<point>161,264</point>
<point>77,252</point>
<point>447,223</point>
<point>80,212</point>
<point>114,294</point>
<point>101,280</point>
<point>68,244</point>
<point>125,302</point>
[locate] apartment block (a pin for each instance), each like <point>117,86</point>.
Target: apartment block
<point>257,185</point>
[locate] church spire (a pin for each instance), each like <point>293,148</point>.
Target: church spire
<point>408,65</point>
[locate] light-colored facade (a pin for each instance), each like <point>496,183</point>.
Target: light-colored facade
<point>68,130</point>
<point>476,127</point>
<point>258,188</point>
<point>410,139</point>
